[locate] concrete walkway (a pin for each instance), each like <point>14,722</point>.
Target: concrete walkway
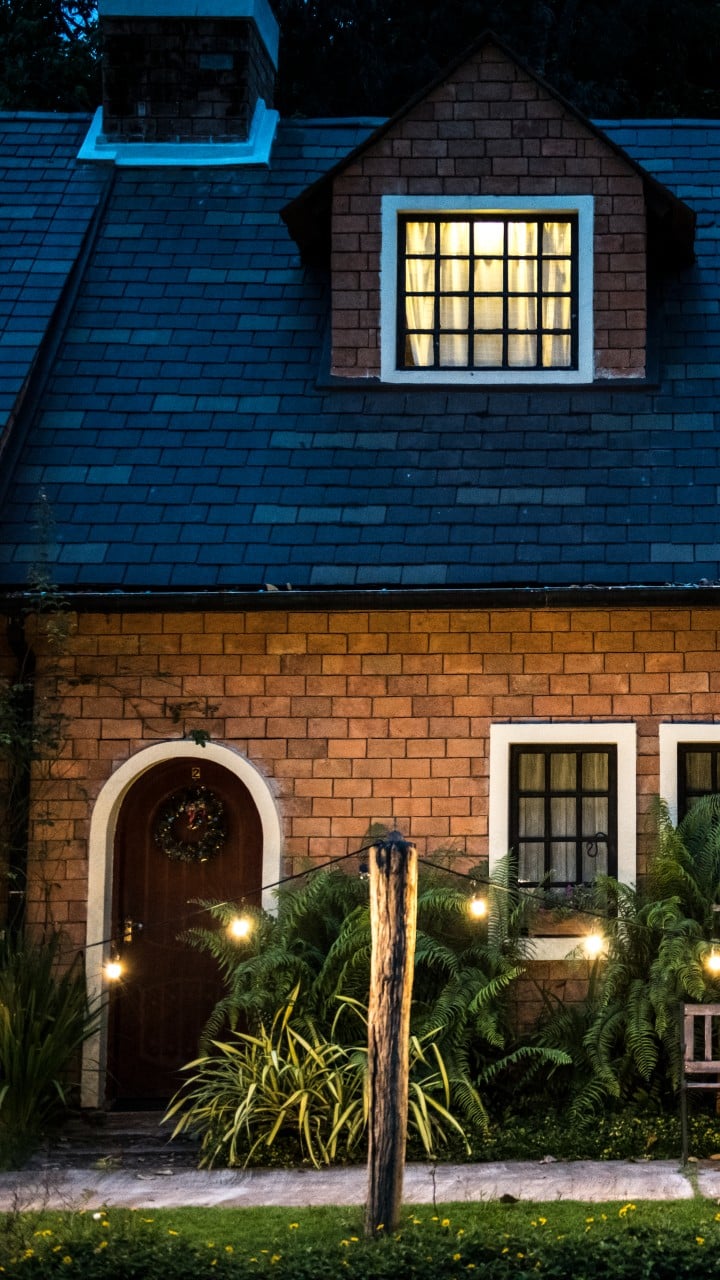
<point>159,1186</point>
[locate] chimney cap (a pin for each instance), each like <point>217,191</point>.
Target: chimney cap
<point>258,11</point>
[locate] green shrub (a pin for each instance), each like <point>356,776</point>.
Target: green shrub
<point>307,1092</point>
<point>44,1019</point>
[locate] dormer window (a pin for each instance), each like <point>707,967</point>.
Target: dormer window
<point>492,291</point>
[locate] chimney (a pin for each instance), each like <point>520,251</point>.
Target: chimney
<point>185,70</point>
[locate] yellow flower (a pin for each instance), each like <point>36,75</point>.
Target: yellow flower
<point>700,1239</point>
<point>445,1222</point>
<point>542,1221</point>
<point>229,1248</point>
<point>276,1257</point>
<point>67,1259</point>
<point>457,1257</point>
<point>589,1219</point>
<point>105,1223</point>
<point>519,1255</point>
<point>172,1233</point>
<point>627,1208</point>
<point>505,1250</point>
<point>293,1226</point>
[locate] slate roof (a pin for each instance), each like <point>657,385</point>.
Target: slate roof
<point>190,437</point>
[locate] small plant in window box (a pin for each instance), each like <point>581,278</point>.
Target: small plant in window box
<point>563,909</point>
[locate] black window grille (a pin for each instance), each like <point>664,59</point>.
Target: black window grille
<point>698,773</point>
<point>487,291</point>
<point>563,813</point>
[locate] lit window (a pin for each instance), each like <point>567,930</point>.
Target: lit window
<point>563,813</point>
<point>497,293</point>
<point>689,765</point>
<point>487,292</point>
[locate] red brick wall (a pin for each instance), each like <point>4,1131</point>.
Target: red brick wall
<point>357,717</point>
<point>490,130</point>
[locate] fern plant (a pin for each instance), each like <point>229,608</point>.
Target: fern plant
<point>625,1040</point>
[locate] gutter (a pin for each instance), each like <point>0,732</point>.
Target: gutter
<point>257,599</point>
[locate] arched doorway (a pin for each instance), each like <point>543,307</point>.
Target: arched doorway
<point>168,988</point>
<point>124,858</point>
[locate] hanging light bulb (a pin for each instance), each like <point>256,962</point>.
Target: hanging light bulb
<point>240,927</point>
<point>712,962</point>
<point>594,944</point>
<point>478,907</point>
<point>113,970</point>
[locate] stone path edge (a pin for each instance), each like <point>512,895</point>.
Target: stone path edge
<point>582,1180</point>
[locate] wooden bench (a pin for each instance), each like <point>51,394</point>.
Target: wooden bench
<point>700,1032</point>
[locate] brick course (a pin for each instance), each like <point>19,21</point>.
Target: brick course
<point>488,131</point>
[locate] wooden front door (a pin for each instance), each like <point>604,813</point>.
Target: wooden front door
<point>168,988</point>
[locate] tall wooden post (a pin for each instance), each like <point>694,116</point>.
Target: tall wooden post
<point>393,911</point>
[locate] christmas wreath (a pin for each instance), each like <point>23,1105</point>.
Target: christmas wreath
<point>190,826</point>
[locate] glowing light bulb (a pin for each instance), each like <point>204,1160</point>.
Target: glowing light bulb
<point>478,908</point>
<point>113,970</point>
<point>712,962</point>
<point>240,927</point>
<point>593,944</point>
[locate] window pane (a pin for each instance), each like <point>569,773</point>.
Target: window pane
<point>531,862</point>
<point>594,816</point>
<point>522,314</point>
<point>420,237</point>
<point>454,275</point>
<point>522,276</point>
<point>419,275</point>
<point>563,862</point>
<point>531,771</point>
<point>698,771</point>
<point>556,353</point>
<point>455,238</point>
<point>562,770</point>
<point>556,237</point>
<point>489,239</point>
<point>522,351</point>
<point>420,311</point>
<point>556,313</point>
<point>488,351</point>
<point>532,816</point>
<point>454,314</point>
<point>595,771</point>
<point>489,314</point>
<point>419,351</point>
<point>563,816</point>
<point>454,350</point>
<point>522,239</point>
<point>488,275</point>
<point>556,276</point>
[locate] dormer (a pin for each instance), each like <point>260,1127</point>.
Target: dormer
<point>489,234</point>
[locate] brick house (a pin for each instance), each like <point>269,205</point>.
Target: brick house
<point>383,465</point>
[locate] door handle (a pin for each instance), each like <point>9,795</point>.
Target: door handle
<point>130,929</point>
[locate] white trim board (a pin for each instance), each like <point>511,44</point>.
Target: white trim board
<point>622,736</point>
<point>391,206</point>
<point>256,150</point>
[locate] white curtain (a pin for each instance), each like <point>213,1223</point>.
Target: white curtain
<point>557,279</point>
<point>420,290</point>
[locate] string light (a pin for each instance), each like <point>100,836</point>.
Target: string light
<point>478,907</point>
<point>240,927</point>
<point>594,944</point>
<point>712,962</point>
<point>113,970</point>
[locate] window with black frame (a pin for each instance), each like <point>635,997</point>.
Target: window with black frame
<point>487,291</point>
<point>563,813</point>
<point>698,773</point>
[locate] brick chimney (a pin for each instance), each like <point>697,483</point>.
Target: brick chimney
<point>185,70</point>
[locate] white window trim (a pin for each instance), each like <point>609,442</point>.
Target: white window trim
<point>621,736</point>
<point>391,206</point>
<point>671,735</point>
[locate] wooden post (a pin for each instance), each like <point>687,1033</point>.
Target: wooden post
<point>393,911</point>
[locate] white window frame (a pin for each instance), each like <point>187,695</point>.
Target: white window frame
<point>622,736</point>
<point>671,735</point>
<point>391,206</point>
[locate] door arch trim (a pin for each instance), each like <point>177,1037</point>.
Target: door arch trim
<point>103,824</point>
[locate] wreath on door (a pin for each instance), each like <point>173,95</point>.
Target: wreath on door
<point>190,826</point>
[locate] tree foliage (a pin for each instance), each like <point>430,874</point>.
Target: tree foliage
<point>48,55</point>
<point>608,57</point>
